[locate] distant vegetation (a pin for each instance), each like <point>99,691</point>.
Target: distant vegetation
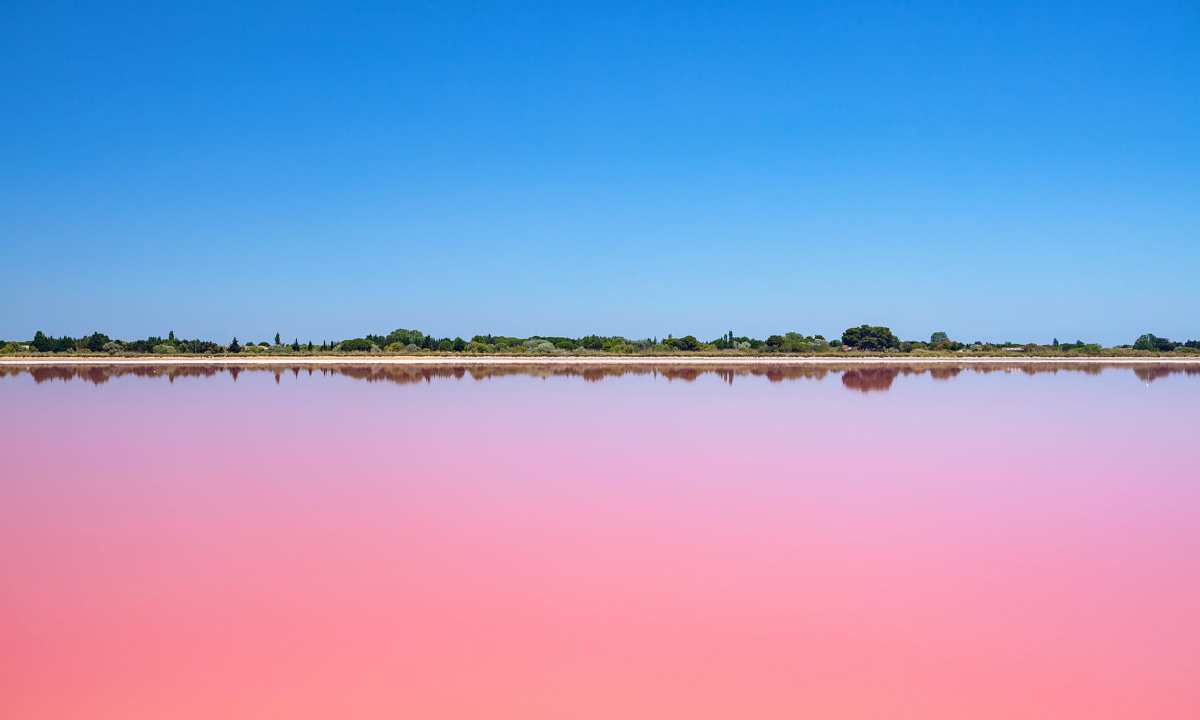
<point>864,339</point>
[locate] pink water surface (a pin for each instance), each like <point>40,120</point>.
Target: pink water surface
<point>644,545</point>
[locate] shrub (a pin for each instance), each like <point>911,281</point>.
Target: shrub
<point>356,345</point>
<point>536,345</point>
<point>164,349</point>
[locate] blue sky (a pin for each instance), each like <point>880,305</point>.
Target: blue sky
<point>996,170</point>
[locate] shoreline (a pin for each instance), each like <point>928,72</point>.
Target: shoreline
<point>500,360</point>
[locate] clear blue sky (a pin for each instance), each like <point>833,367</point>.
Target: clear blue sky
<point>999,170</point>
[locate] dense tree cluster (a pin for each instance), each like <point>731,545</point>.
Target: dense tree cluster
<point>871,339</point>
<point>99,342</point>
<point>1150,341</point>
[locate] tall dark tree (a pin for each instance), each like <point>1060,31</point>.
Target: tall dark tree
<point>276,338</point>
<point>41,343</point>
<point>234,347</point>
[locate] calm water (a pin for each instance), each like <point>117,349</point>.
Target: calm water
<point>393,542</point>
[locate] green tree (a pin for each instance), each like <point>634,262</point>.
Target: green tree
<point>235,347</point>
<point>295,345</point>
<point>870,337</point>
<point>687,343</point>
<point>403,337</point>
<point>1149,341</point>
<point>96,342</point>
<point>276,338</point>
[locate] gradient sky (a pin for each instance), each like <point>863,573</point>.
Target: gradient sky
<point>999,170</point>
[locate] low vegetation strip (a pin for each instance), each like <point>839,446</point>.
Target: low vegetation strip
<point>860,341</point>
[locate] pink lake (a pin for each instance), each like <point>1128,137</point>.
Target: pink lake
<point>397,542</point>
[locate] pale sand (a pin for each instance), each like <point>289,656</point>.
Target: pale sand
<point>482,360</point>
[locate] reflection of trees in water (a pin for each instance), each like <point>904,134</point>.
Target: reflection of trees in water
<point>870,379</point>
<point>1154,372</point>
<point>942,372</point>
<point>863,378</point>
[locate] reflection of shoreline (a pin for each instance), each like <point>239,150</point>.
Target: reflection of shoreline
<point>854,376</point>
<point>503,360</point>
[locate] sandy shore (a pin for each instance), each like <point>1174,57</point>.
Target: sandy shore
<point>484,360</point>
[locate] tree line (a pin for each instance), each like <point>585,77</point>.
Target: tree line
<point>863,338</point>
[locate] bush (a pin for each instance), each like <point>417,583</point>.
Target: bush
<point>164,349</point>
<point>356,345</point>
<point>540,346</point>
